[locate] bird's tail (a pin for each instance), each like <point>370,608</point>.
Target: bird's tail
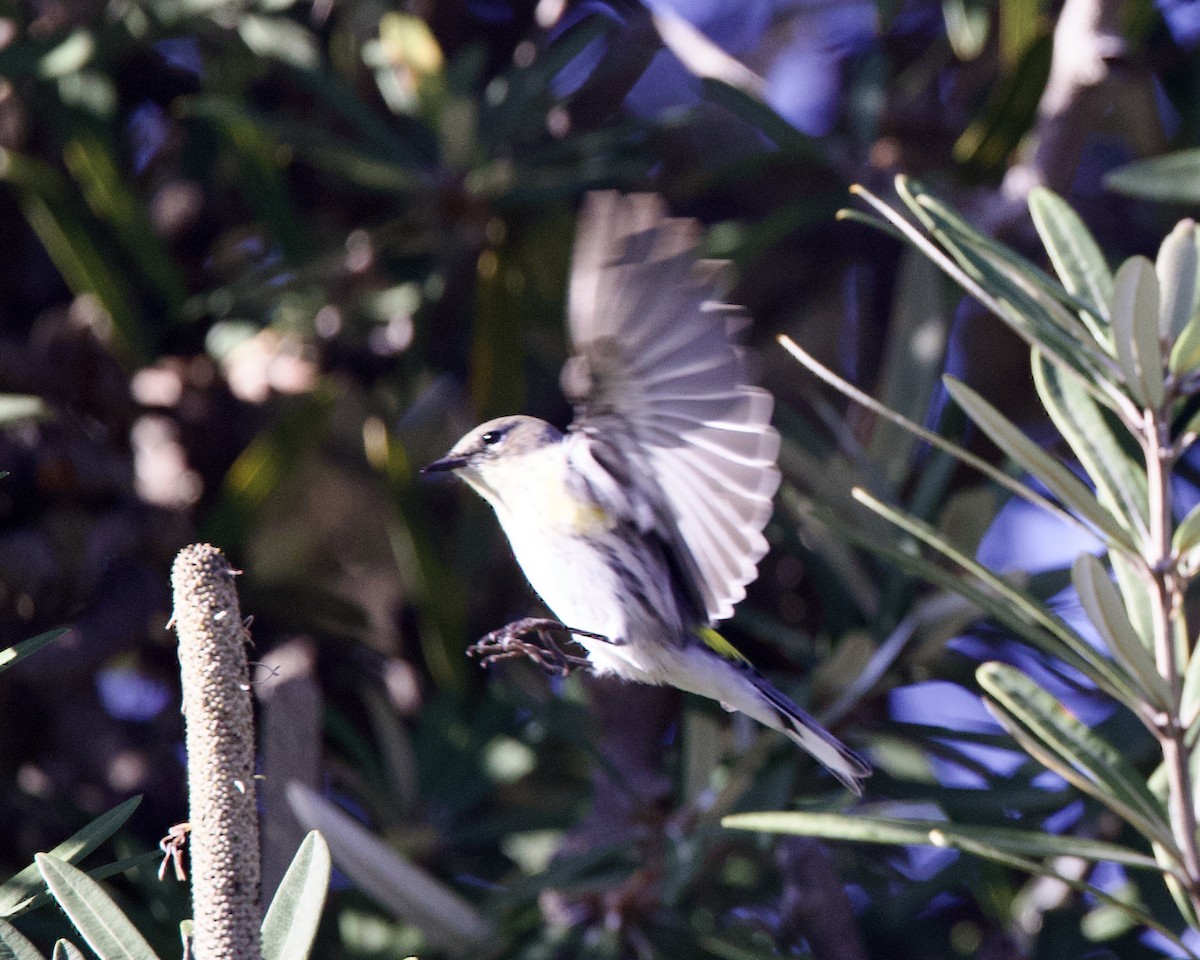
<point>740,687</point>
<point>834,755</point>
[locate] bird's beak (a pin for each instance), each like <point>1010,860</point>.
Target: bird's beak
<point>448,464</point>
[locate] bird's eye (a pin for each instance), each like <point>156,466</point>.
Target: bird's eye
<point>491,437</point>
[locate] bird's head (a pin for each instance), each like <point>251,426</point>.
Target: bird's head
<point>494,455</point>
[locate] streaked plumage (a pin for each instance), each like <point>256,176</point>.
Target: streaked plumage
<point>644,521</point>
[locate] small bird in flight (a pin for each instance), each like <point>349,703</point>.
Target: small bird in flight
<point>641,525</point>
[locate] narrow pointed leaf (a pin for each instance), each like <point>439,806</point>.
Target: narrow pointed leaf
<point>18,890</point>
<point>1097,767</point>
<point>444,917</point>
<point>1058,479</point>
<point>1185,354</point>
<point>103,872</point>
<point>936,833</point>
<point>1052,634</point>
<point>1134,593</point>
<point>65,950</point>
<point>1135,330</point>
<point>810,363</point>
<point>1073,250</point>
<point>1103,605</point>
<point>1120,481</point>
<point>290,925</point>
<point>1171,178</point>
<point>1034,299</point>
<point>18,652</point>
<point>1065,350</point>
<point>1187,534</point>
<point>15,946</point>
<point>1176,270</point>
<point>1189,700</point>
<point>93,912</point>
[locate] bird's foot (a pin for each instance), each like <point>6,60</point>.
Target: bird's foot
<point>514,641</point>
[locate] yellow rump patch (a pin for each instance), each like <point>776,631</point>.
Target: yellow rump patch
<point>718,644</point>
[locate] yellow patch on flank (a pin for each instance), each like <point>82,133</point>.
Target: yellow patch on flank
<point>578,516</point>
<point>718,644</point>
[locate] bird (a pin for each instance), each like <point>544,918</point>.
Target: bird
<point>640,526</point>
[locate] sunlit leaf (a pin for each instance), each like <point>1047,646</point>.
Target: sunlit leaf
<point>16,892</point>
<point>20,651</point>
<point>1076,257</point>
<point>1039,625</point>
<point>93,912</point>
<point>444,917</point>
<point>936,833</point>
<point>1176,270</point>
<point>1135,330</point>
<point>1074,751</point>
<point>1173,177</point>
<point>1120,481</point>
<point>290,926</point>
<point>1029,456</point>
<point>1103,605</point>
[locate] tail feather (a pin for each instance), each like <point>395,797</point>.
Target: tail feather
<point>834,755</point>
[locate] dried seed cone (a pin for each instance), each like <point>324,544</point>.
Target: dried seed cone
<point>220,752</point>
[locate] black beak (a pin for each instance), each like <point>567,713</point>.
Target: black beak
<point>447,464</point>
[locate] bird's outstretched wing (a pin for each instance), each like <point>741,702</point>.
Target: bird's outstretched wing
<point>662,393</point>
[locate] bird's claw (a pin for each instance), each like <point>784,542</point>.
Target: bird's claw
<point>512,641</point>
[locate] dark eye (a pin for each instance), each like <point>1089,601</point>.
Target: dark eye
<point>492,436</point>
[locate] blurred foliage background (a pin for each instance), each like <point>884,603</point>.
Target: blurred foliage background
<point>263,260</point>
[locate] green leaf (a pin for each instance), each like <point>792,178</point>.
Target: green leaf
<point>1076,256</point>
<point>1064,744</point>
<point>16,892</point>
<point>93,912</point>
<point>97,172</point>
<point>444,917</point>
<point>1171,178</point>
<point>1176,269</point>
<point>1103,605</point>
<point>290,926</point>
<point>1009,112</point>
<point>1013,848</point>
<point>937,833</point>
<point>70,243</point>
<point>1037,328</point>
<point>1037,624</point>
<point>934,439</point>
<point>65,950</point>
<point>1120,481</point>
<point>912,358</point>
<point>1185,354</point>
<point>1029,300</point>
<point>759,114</point>
<point>1189,700</point>
<point>14,945</point>
<point>1187,534</point>
<point>1135,330</point>
<point>1073,493</point>
<point>18,652</point>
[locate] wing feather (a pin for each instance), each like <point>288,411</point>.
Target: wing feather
<point>665,407</point>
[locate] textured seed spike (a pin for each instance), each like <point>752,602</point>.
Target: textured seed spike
<point>220,752</point>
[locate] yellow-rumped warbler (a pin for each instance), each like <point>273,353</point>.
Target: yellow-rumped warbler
<point>643,523</point>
